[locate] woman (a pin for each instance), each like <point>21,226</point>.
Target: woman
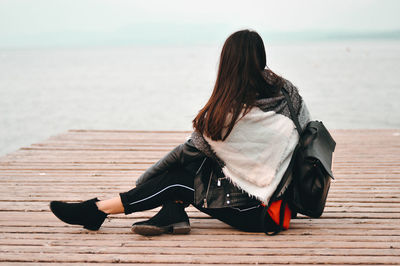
<point>233,162</point>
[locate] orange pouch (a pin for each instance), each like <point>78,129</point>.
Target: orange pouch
<point>274,211</point>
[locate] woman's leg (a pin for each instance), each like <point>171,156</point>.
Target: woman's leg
<point>170,186</point>
<point>173,190</point>
<point>176,185</point>
<point>245,218</point>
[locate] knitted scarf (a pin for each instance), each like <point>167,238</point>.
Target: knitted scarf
<point>258,150</point>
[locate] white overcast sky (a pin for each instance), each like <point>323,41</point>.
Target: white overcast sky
<point>29,17</point>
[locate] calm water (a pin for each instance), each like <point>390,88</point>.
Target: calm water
<point>46,92</point>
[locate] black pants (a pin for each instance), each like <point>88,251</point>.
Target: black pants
<point>178,185</point>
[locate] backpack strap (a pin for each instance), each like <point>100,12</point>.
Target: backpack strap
<point>286,176</point>
<point>288,173</point>
<point>292,112</point>
<point>282,211</point>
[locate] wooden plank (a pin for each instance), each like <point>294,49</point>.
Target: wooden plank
<point>199,258</point>
<point>245,244</point>
<point>271,251</point>
<point>361,223</point>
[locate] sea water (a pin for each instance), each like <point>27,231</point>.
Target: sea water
<point>43,92</point>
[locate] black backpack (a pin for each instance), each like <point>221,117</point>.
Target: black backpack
<point>309,174</point>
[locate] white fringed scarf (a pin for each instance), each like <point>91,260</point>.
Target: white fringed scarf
<point>258,150</point>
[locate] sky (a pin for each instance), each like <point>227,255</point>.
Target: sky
<point>112,22</point>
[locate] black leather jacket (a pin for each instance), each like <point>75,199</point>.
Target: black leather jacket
<point>212,188</point>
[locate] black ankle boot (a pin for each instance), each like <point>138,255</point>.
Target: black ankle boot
<point>172,219</point>
<point>84,213</point>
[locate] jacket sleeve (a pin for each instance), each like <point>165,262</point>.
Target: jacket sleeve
<point>179,156</point>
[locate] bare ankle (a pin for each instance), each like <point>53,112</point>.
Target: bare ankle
<point>111,206</point>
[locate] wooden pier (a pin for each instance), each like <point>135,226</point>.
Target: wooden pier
<point>361,223</point>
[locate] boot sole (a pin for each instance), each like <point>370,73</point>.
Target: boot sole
<point>152,230</point>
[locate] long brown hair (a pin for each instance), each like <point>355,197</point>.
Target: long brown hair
<point>240,82</point>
